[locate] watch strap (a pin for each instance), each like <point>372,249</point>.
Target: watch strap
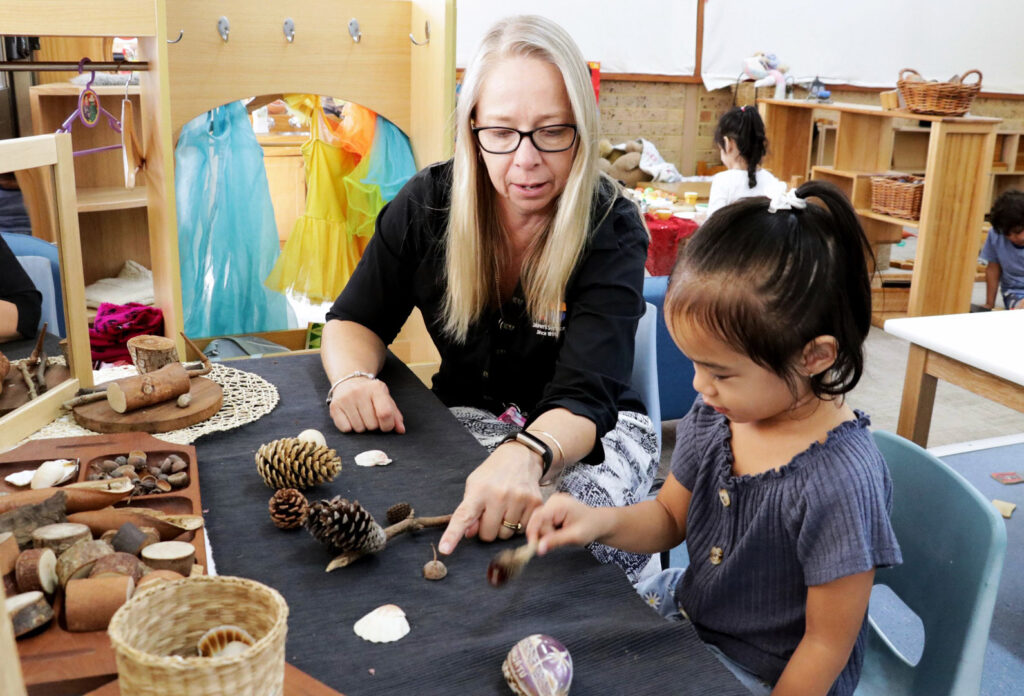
<point>534,443</point>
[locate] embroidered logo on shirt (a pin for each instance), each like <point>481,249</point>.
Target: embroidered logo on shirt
<point>544,328</point>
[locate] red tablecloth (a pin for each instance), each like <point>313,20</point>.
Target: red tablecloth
<point>665,238</point>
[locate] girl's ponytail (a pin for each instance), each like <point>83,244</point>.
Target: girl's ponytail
<point>743,125</point>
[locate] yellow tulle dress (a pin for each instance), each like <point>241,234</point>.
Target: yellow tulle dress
<point>328,240</point>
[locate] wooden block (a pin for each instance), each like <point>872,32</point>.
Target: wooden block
<point>890,99</point>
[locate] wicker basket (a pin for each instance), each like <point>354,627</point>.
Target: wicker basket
<point>155,635</point>
<point>941,98</point>
<point>898,195</point>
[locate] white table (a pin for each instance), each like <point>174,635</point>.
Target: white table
<point>981,352</point>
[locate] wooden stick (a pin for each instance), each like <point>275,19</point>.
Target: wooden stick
<point>207,365</point>
<point>509,563</point>
<point>29,382</point>
<point>410,523</point>
<point>33,359</point>
<point>84,399</point>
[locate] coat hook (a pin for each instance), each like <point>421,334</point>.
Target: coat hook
<point>353,30</point>
<point>181,33</point>
<point>426,30</point>
<point>289,30</point>
<point>223,28</point>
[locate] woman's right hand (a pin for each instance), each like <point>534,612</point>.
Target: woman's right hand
<point>564,521</point>
<point>362,404</point>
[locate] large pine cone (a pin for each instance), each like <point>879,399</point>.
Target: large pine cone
<point>344,526</point>
<point>293,463</point>
<point>288,508</point>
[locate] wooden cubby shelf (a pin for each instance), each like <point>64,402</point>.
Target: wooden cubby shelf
<point>955,155</point>
<point>99,199</point>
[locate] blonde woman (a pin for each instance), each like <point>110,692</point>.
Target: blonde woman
<point>528,268</point>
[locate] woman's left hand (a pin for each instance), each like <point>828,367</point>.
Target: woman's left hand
<point>500,494</point>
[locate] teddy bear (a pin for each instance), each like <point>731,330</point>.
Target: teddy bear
<point>622,162</point>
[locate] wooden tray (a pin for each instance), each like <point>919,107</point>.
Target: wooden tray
<point>55,661</point>
<point>207,397</point>
<point>296,683</point>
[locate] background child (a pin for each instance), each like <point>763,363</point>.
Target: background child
<point>740,138</point>
<point>1004,251</point>
<point>776,484</point>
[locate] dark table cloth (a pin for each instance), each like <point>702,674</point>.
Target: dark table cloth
<point>461,627</point>
<point>23,347</point>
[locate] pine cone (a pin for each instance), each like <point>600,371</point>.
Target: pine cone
<point>288,508</point>
<point>293,463</point>
<point>398,512</point>
<point>344,526</point>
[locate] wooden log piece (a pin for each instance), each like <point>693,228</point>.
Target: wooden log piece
<point>156,577</point>
<point>60,537</point>
<point>37,570</point>
<point>90,603</point>
<point>8,552</point>
<point>170,555</point>
<point>28,611</point>
<point>10,583</point>
<point>77,561</point>
<point>131,393</point>
<point>131,539</point>
<point>150,353</point>
<point>24,519</point>
<point>118,563</point>
<point>167,526</point>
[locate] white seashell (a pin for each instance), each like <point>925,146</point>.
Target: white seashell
<point>372,458</point>
<point>314,436</point>
<point>54,472</point>
<point>384,624</point>
<point>225,641</point>
<point>20,478</point>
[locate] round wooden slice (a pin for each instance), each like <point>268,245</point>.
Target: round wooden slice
<point>207,397</point>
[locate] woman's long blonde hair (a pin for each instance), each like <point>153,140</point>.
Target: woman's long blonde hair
<point>475,245</point>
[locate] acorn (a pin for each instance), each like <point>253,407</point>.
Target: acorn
<point>435,569</point>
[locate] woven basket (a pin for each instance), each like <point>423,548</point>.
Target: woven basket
<point>941,98</point>
<point>898,195</point>
<point>156,632</point>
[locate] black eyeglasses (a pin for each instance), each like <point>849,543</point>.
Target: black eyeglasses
<point>498,140</point>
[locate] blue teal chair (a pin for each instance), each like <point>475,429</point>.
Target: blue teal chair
<point>645,367</point>
<point>23,245</point>
<point>675,371</point>
<point>953,544</point>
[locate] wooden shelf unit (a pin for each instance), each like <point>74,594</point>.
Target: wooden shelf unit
<point>958,160</point>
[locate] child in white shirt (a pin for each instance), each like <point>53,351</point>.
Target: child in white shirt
<point>741,140</point>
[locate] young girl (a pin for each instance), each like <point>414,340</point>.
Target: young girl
<point>776,485</point>
<point>740,139</point>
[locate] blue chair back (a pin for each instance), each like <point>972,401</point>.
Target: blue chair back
<point>675,371</point>
<point>645,367</point>
<point>26,245</point>
<point>953,544</point>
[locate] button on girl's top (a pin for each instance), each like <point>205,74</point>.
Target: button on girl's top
<point>723,495</point>
<point>585,369</point>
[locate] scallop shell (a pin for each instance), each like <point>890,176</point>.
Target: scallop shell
<point>538,665</point>
<point>20,478</point>
<point>314,436</point>
<point>54,472</point>
<point>384,624</point>
<point>372,458</point>
<point>225,641</point>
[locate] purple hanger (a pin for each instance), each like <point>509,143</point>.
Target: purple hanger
<point>88,112</point>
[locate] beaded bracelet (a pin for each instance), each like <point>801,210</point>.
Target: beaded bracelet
<point>357,373</point>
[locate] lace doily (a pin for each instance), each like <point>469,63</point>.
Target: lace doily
<point>247,398</point>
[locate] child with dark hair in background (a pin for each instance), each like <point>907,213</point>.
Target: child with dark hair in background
<point>741,140</point>
<point>776,484</point>
<point>1004,251</point>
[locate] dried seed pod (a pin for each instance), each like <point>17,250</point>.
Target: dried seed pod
<point>137,459</point>
<point>292,463</point>
<point>178,480</point>
<point>184,400</point>
<point>108,465</point>
<point>288,508</point>
<point>344,526</point>
<point>398,512</point>
<point>163,486</point>
<point>435,569</point>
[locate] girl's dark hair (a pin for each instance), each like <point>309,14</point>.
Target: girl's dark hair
<point>767,283</point>
<point>743,125</point>
<point>1008,211</point>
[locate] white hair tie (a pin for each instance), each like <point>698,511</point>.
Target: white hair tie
<point>784,199</point>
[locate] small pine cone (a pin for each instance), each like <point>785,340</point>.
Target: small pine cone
<point>344,526</point>
<point>398,512</point>
<point>294,463</point>
<point>288,508</point>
